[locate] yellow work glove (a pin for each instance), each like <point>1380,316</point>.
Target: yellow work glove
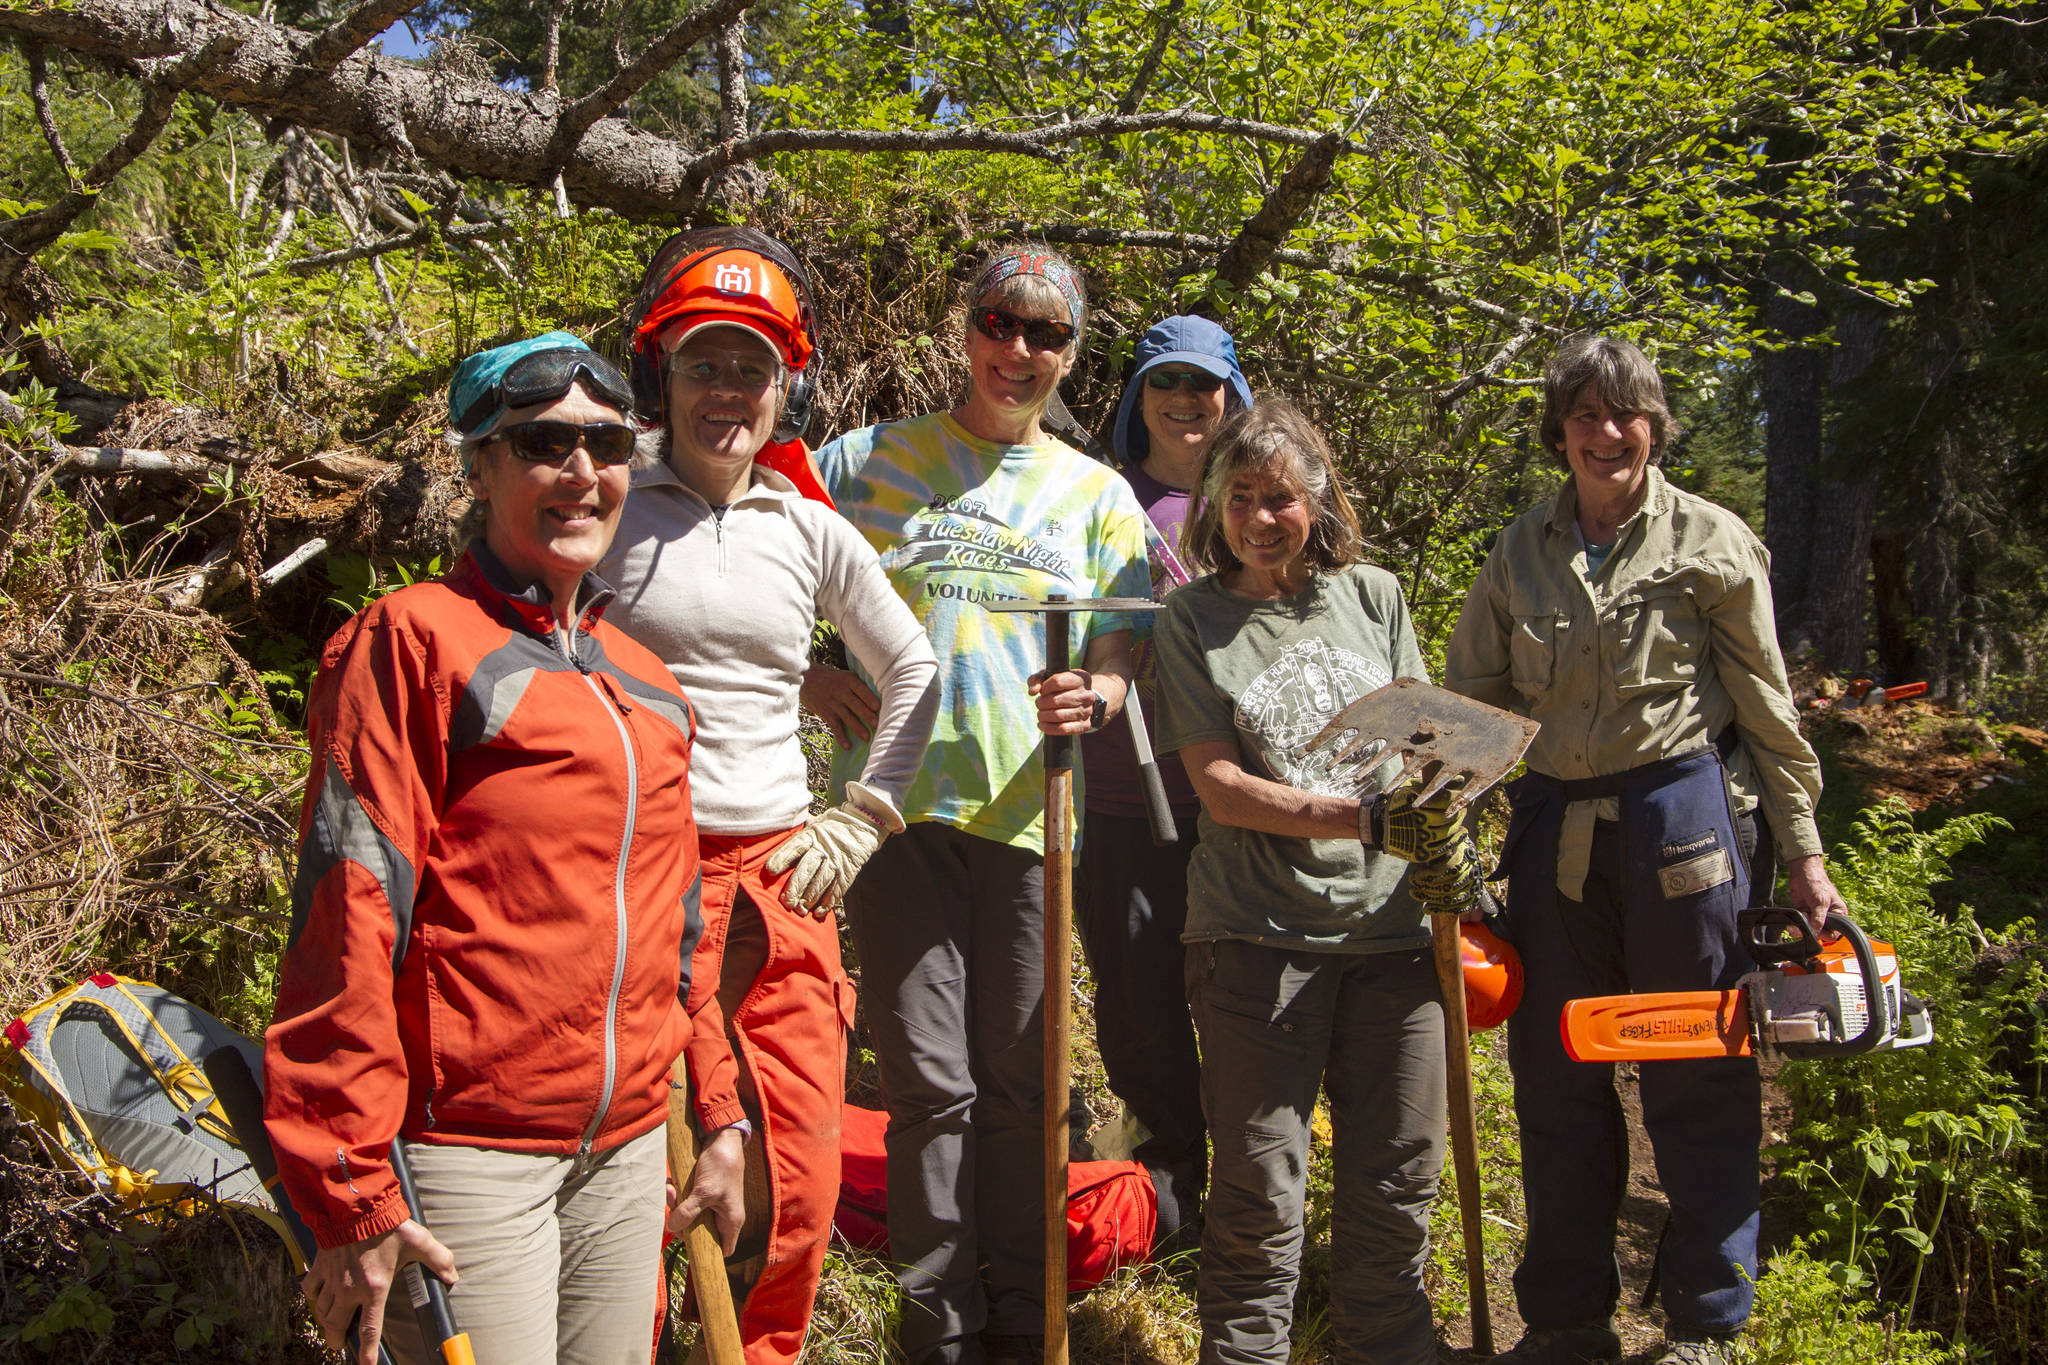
<point>830,849</point>
<point>1450,884</point>
<point>1394,823</point>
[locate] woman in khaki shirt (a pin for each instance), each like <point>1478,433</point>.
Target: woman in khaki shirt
<point>1634,621</point>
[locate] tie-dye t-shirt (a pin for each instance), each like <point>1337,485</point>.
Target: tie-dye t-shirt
<point>959,521</point>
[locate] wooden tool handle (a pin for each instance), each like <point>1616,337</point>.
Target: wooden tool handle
<point>1450,973</point>
<point>1156,807</point>
<point>700,1240</point>
<point>1059,993</point>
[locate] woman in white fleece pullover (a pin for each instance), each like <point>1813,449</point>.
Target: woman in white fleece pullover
<point>722,569</point>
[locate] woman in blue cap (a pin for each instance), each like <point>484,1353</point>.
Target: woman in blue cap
<point>495,907</point>
<point>1131,894</point>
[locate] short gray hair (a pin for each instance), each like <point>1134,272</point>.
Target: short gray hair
<point>1625,378</point>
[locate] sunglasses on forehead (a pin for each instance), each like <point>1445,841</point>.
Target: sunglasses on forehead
<point>545,442</point>
<point>1173,379</point>
<point>1040,333</point>
<point>545,376</point>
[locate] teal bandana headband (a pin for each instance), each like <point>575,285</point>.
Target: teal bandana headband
<point>1048,266</point>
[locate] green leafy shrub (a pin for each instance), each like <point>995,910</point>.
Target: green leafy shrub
<point>1923,1170</point>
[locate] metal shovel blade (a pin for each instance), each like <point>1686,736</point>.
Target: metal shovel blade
<point>1427,726</point>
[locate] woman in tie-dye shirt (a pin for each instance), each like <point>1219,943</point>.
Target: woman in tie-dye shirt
<point>965,507</point>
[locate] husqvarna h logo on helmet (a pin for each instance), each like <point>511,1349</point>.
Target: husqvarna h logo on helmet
<point>733,279</point>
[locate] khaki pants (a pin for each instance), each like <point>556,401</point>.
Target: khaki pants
<point>559,1257</point>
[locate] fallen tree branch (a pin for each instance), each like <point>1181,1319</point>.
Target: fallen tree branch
<point>471,127</point>
<point>347,35</point>
<point>419,236</point>
<point>1252,249</point>
<point>109,460</point>
<point>39,95</point>
<point>699,24</point>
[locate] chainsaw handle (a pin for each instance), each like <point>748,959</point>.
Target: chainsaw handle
<point>1756,925</point>
<point>1877,1024</point>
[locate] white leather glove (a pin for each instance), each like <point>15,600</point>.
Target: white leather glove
<point>830,849</point>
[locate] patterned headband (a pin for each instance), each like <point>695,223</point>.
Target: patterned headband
<point>1047,265</point>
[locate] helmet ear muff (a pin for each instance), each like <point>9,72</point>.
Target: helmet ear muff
<point>674,260</point>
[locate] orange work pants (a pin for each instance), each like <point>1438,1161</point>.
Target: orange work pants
<point>771,1004</point>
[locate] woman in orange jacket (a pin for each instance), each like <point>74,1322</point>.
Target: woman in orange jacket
<point>495,909</point>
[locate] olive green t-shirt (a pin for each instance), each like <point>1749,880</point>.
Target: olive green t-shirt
<point>1269,676</point>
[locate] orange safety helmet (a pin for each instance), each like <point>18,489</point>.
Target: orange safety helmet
<point>735,285</point>
<point>1493,976</point>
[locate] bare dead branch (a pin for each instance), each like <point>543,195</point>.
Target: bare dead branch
<point>1525,332</point>
<point>1169,20</point>
<point>347,35</point>
<point>105,461</point>
<point>732,81</point>
<point>419,236</point>
<point>551,50</point>
<point>667,50</point>
<point>1044,142</point>
<point>39,93</point>
<point>1250,252</point>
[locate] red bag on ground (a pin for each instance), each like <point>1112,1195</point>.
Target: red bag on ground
<point>1112,1208</point>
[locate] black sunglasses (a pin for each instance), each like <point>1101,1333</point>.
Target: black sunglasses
<point>1041,333</point>
<point>545,376</point>
<point>1197,380</point>
<point>554,442</point>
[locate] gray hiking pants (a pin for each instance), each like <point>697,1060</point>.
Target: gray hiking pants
<point>950,929</point>
<point>1276,1025</point>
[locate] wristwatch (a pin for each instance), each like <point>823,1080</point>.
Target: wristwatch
<point>1099,716</point>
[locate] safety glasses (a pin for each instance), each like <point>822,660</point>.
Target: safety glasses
<point>1167,380</point>
<point>1040,333</point>
<point>545,442</point>
<point>545,376</point>
<point>747,369</point>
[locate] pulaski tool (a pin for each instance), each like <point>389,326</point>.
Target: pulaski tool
<point>1465,746</point>
<point>1807,998</point>
<point>1059,934</point>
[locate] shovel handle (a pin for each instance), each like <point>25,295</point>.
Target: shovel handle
<point>700,1240</point>
<point>1464,1120</point>
<point>428,1295</point>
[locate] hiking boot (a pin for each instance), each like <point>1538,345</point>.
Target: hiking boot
<point>1583,1343</point>
<point>1684,1346</point>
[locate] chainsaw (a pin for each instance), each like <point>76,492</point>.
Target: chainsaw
<point>1807,998</point>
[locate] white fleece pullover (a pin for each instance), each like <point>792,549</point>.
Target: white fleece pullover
<point>730,607</point>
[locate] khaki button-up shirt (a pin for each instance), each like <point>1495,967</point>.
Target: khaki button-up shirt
<point>1653,657</point>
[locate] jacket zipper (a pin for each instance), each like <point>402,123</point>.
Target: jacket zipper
<point>611,1005</point>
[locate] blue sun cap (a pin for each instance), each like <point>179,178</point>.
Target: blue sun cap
<point>1192,341</point>
<point>523,373</point>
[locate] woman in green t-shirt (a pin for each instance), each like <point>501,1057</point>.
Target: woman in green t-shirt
<point>1308,964</point>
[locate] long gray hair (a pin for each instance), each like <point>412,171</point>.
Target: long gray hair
<point>1275,438</point>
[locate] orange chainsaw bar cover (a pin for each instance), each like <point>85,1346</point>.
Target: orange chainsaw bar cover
<point>1656,1027</point>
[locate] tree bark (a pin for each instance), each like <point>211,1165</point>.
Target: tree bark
<point>1791,384</point>
<point>1844,510</point>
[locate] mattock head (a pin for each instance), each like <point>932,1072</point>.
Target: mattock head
<point>1459,745</point>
